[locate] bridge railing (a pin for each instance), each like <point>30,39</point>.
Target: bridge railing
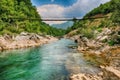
<point>53,19</point>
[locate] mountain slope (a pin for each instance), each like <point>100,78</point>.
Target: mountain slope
<point>18,16</point>
<point>63,25</point>
<point>111,13</point>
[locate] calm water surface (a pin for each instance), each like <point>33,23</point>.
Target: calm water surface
<point>54,61</point>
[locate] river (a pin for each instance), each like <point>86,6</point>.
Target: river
<point>53,61</point>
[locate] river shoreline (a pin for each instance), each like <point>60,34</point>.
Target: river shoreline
<point>96,50</point>
<point>24,40</point>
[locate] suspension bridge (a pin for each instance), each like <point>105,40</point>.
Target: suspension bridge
<point>53,19</point>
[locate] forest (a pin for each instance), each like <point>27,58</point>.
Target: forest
<point>18,16</point>
<point>112,8</point>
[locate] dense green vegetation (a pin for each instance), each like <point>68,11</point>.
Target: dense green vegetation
<point>102,9</point>
<point>14,16</point>
<point>116,13</point>
<point>112,8</point>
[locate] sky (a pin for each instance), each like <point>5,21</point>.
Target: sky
<point>65,8</point>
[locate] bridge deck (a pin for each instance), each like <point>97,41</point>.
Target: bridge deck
<point>55,19</point>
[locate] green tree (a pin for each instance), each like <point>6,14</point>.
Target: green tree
<point>116,8</point>
<point>14,18</point>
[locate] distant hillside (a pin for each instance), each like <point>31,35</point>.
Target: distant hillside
<point>110,9</point>
<point>14,16</point>
<point>63,25</point>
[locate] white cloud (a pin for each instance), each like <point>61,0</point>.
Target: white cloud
<point>51,11</point>
<point>81,7</point>
<point>78,9</point>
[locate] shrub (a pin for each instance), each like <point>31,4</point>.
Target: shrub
<point>111,42</point>
<point>6,32</point>
<point>99,29</point>
<point>88,32</point>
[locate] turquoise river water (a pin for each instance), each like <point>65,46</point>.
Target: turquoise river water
<point>53,61</point>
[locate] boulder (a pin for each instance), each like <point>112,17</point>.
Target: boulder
<point>103,38</point>
<point>94,46</point>
<point>21,37</point>
<point>103,35</point>
<point>3,42</point>
<point>83,76</point>
<point>110,71</point>
<point>7,37</point>
<point>24,34</point>
<point>85,39</point>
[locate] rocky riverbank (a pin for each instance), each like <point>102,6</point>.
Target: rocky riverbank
<point>23,40</point>
<point>103,51</point>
